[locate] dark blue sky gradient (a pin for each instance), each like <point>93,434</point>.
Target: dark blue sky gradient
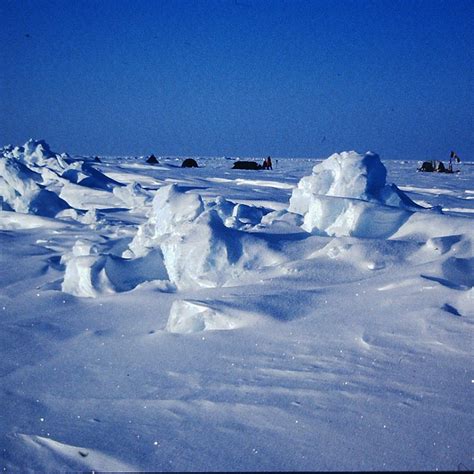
<point>239,78</point>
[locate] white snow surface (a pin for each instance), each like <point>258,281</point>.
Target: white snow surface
<point>312,317</point>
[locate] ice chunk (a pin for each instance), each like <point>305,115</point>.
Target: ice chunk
<point>90,272</point>
<point>202,253</point>
<point>194,316</point>
<point>198,248</point>
<point>171,208</point>
<point>21,190</point>
<point>347,195</point>
<point>244,216</point>
<point>189,317</point>
<point>37,154</point>
<point>84,275</point>
<point>133,195</point>
<point>85,174</point>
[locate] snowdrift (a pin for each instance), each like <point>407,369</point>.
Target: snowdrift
<point>32,178</point>
<point>347,195</point>
<point>201,242</point>
<point>133,195</point>
<point>185,242</point>
<point>189,242</point>
<point>206,301</point>
<point>91,271</point>
<point>85,174</point>
<point>194,316</point>
<point>194,243</point>
<point>21,190</point>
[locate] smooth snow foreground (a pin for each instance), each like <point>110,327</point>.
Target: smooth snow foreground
<point>313,317</point>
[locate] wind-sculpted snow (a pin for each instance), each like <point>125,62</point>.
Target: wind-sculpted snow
<point>195,316</point>
<point>185,241</point>
<point>171,208</point>
<point>84,274</point>
<point>197,243</point>
<point>347,194</point>
<point>86,175</point>
<point>37,154</point>
<point>201,243</point>
<point>21,190</point>
<point>206,253</point>
<point>90,271</point>
<point>193,298</point>
<point>32,178</point>
<point>133,195</point>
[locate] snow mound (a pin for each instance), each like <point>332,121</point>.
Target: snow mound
<point>133,195</point>
<point>90,272</point>
<point>171,208</point>
<point>238,216</point>
<point>37,153</point>
<point>32,179</point>
<point>245,216</point>
<point>21,190</point>
<point>347,195</point>
<point>206,253</point>
<point>198,248</point>
<point>84,174</point>
<point>43,454</point>
<point>85,275</point>
<point>194,316</point>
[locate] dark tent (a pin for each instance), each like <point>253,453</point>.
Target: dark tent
<point>246,165</point>
<point>152,160</point>
<point>189,163</point>
<point>426,166</point>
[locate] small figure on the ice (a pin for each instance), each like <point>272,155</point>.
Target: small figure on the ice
<point>267,163</point>
<point>453,158</point>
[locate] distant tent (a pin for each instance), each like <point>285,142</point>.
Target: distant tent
<point>189,163</point>
<point>426,166</point>
<point>152,160</point>
<point>246,165</point>
<point>97,159</point>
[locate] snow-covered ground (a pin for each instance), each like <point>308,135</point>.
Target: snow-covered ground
<point>169,319</point>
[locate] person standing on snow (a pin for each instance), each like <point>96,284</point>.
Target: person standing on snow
<point>267,163</point>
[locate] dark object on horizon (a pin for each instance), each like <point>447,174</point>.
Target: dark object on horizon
<point>189,163</point>
<point>436,166</point>
<point>246,165</point>
<point>426,166</point>
<point>152,159</point>
<point>97,159</point>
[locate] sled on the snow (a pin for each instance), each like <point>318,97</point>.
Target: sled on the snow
<point>246,165</point>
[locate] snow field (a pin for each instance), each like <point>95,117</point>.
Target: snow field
<point>305,318</point>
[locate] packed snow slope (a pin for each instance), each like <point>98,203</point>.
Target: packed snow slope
<point>317,316</point>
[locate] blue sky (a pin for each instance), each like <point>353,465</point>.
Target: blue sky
<point>240,77</point>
